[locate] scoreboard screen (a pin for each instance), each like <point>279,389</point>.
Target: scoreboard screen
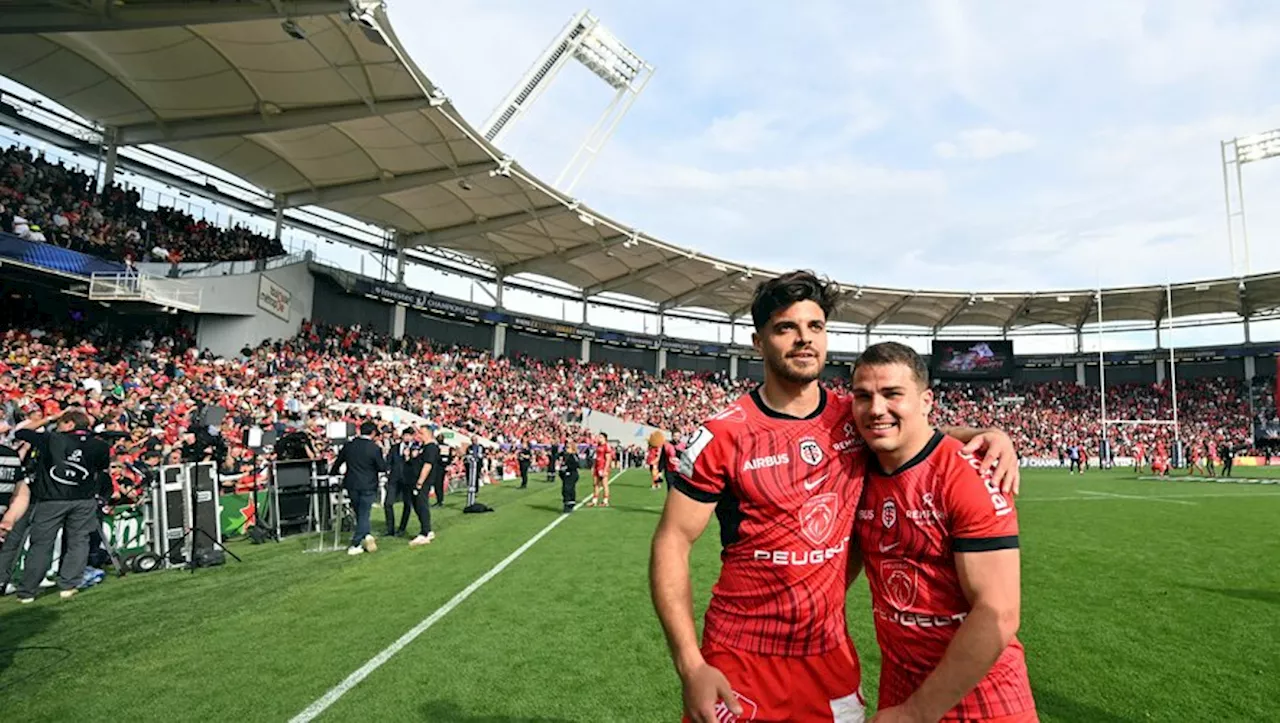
<point>971,359</point>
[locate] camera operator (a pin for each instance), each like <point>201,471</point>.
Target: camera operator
<point>205,445</point>
<point>295,444</point>
<point>71,466</point>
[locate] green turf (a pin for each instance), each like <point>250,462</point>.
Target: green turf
<point>1159,608</point>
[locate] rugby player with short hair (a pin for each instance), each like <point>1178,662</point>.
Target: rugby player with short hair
<point>782,468</point>
<point>656,440</point>
<point>940,545</point>
<point>600,472</point>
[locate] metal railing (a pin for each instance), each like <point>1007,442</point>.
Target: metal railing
<point>137,286</point>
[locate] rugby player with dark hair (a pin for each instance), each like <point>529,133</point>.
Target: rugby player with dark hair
<point>940,542</point>
<point>782,468</point>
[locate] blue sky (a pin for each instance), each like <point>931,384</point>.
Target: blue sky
<point>962,145</point>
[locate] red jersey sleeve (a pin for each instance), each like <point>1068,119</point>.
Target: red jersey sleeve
<point>704,469</point>
<point>981,517</point>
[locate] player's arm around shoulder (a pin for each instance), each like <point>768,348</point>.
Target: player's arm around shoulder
<point>984,540</point>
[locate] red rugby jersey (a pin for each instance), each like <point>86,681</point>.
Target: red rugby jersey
<point>910,525</point>
<point>604,455</point>
<point>785,490</point>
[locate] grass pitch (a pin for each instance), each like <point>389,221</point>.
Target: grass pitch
<point>1142,601</point>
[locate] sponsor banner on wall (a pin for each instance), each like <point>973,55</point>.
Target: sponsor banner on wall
<point>1054,462</point>
<point>616,337</point>
<point>561,328</point>
<point>273,298</point>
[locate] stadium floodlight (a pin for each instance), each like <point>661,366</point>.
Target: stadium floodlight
<point>586,40</point>
<point>1237,152</point>
<point>1258,147</point>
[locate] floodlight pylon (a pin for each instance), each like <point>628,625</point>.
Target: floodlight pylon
<point>586,40</point>
<point>1235,153</point>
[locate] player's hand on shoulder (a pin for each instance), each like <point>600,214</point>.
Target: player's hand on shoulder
<point>999,456</point>
<point>705,686</point>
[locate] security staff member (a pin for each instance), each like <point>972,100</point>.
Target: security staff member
<point>523,458</point>
<point>364,461</point>
<point>1227,453</point>
<point>400,481</point>
<point>569,477</point>
<point>553,452</point>
<point>71,466</point>
<point>425,465</point>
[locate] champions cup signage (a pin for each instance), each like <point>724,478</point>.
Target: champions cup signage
<point>551,326</point>
<point>644,342</point>
<point>419,300</point>
<point>273,298</point>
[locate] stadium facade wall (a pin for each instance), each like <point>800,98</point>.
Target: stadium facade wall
<point>478,335</point>
<point>233,318</point>
<point>681,361</point>
<point>538,346</point>
<point>623,356</point>
<point>333,305</point>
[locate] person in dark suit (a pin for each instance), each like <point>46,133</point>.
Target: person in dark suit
<point>399,483</point>
<point>569,476</point>
<point>552,453</point>
<point>523,458</point>
<point>364,461</point>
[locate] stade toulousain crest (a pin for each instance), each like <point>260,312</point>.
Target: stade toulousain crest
<point>888,514</point>
<point>818,517</point>
<point>810,451</point>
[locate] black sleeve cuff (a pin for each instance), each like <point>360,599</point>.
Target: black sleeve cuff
<point>984,544</point>
<point>682,484</point>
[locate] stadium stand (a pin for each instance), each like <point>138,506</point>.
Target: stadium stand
<point>147,385</point>
<point>50,202</point>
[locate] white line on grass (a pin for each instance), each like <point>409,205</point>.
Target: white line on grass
<point>1208,495</point>
<point>1135,497</point>
<point>351,681</point>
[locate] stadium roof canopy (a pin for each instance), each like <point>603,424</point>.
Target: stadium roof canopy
<point>317,102</point>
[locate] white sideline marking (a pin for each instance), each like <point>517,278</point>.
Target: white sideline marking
<point>1209,495</point>
<point>1135,497</point>
<point>351,681</point>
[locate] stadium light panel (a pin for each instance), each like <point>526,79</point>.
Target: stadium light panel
<point>1258,147</point>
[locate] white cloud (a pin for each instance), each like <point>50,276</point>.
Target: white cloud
<point>742,132</point>
<point>832,133</point>
<point>984,143</point>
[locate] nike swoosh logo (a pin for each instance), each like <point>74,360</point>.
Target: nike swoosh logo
<point>812,484</point>
<point>886,548</point>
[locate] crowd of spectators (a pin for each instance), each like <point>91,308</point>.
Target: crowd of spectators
<point>152,388</point>
<point>50,202</point>
<point>1046,418</point>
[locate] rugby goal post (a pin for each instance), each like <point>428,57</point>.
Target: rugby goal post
<point>1176,457</point>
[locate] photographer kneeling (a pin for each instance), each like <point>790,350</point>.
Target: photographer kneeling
<point>71,465</point>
